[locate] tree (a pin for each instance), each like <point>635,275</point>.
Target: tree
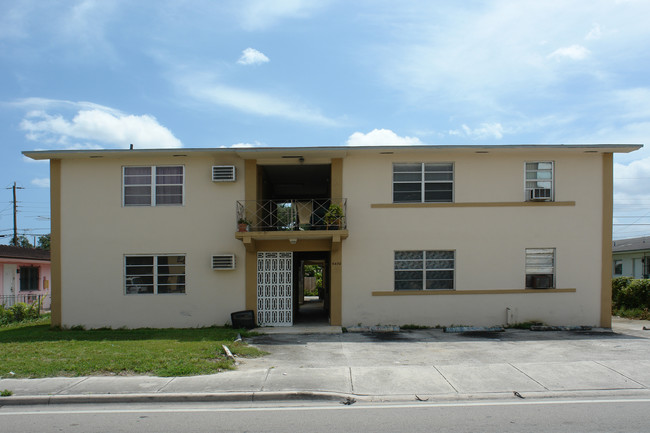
<point>22,242</point>
<point>44,242</point>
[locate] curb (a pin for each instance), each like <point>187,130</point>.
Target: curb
<point>310,396</point>
<point>171,398</point>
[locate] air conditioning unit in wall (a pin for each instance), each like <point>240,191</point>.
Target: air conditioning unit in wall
<point>540,194</point>
<point>223,173</point>
<point>542,281</point>
<point>223,262</point>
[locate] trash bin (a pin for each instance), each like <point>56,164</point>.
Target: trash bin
<point>243,319</point>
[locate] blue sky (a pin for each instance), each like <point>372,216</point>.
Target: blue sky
<point>85,74</point>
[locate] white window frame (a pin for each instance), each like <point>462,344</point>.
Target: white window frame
<point>424,269</point>
<point>551,181</point>
<point>155,273</point>
<point>153,185</point>
<point>423,181</point>
<point>532,270</point>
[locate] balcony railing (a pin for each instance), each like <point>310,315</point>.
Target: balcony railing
<point>277,215</point>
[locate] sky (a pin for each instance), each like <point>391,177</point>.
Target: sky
<point>91,74</point>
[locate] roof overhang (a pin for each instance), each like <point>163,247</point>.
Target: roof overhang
<point>327,152</point>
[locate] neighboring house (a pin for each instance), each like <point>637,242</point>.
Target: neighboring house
<point>631,257</point>
<point>25,275</point>
<point>430,235</point>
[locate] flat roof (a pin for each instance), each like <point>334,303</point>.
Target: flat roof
<point>328,151</point>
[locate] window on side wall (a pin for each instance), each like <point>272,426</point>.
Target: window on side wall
<point>539,181</point>
<point>618,267</point>
<point>424,270</point>
<point>159,274</point>
<point>29,278</point>
<point>153,186</point>
<point>423,182</point>
<point>540,268</point>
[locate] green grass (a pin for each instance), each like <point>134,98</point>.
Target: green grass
<point>632,313</point>
<point>36,350</point>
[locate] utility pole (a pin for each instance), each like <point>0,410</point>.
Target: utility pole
<point>15,238</point>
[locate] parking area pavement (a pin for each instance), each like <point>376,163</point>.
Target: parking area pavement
<point>420,364</point>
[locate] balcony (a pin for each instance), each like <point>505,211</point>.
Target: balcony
<point>292,219</point>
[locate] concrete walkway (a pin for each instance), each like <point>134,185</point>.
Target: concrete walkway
<point>409,365</point>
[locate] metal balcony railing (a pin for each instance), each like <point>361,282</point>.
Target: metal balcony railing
<point>277,215</point>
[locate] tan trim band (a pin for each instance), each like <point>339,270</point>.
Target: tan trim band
<point>470,292</point>
<point>475,204</point>
<point>55,243</point>
<point>606,264</point>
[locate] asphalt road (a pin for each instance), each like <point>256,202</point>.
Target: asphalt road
<point>588,415</point>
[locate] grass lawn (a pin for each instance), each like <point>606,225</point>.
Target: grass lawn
<point>35,350</point>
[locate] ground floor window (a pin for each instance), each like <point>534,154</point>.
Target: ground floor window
<point>540,268</point>
<point>618,267</point>
<point>154,274</point>
<point>29,278</point>
<point>424,270</point>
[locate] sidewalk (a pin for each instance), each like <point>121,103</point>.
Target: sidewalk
<point>404,366</point>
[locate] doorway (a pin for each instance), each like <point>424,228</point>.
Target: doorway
<point>311,288</point>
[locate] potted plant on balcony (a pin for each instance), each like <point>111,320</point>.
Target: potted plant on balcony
<point>243,224</point>
<point>333,216</point>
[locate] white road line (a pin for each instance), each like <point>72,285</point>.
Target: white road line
<point>333,407</point>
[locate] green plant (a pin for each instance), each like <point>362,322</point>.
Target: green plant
<point>6,393</point>
<point>618,286</point>
<point>414,327</point>
<point>243,221</point>
<point>334,213</point>
<point>525,325</point>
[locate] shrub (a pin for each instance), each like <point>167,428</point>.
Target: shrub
<point>19,312</point>
<point>618,285</point>
<point>636,295</point>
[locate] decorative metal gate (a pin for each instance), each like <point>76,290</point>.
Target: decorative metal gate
<point>275,289</point>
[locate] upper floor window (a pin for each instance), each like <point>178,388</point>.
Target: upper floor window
<point>153,185</point>
<point>423,182</point>
<point>539,181</point>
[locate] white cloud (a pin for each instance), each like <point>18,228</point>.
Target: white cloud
<point>485,130</point>
<point>92,126</point>
<point>42,182</point>
<point>262,14</point>
<point>594,33</point>
<point>380,137</point>
<point>250,56</point>
<point>246,145</point>
<point>253,102</point>
<point>573,52</point>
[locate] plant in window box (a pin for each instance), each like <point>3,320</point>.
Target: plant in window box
<point>243,224</point>
<point>334,216</point>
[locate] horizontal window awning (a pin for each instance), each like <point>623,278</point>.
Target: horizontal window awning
<point>293,237</point>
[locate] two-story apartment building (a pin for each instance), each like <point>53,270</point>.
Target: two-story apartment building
<point>428,235</point>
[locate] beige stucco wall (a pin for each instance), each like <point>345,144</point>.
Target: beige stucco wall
<point>490,242</point>
<point>97,232</point>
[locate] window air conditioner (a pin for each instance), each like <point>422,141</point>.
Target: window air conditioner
<point>223,173</point>
<point>223,262</point>
<point>540,194</point>
<point>542,281</point>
